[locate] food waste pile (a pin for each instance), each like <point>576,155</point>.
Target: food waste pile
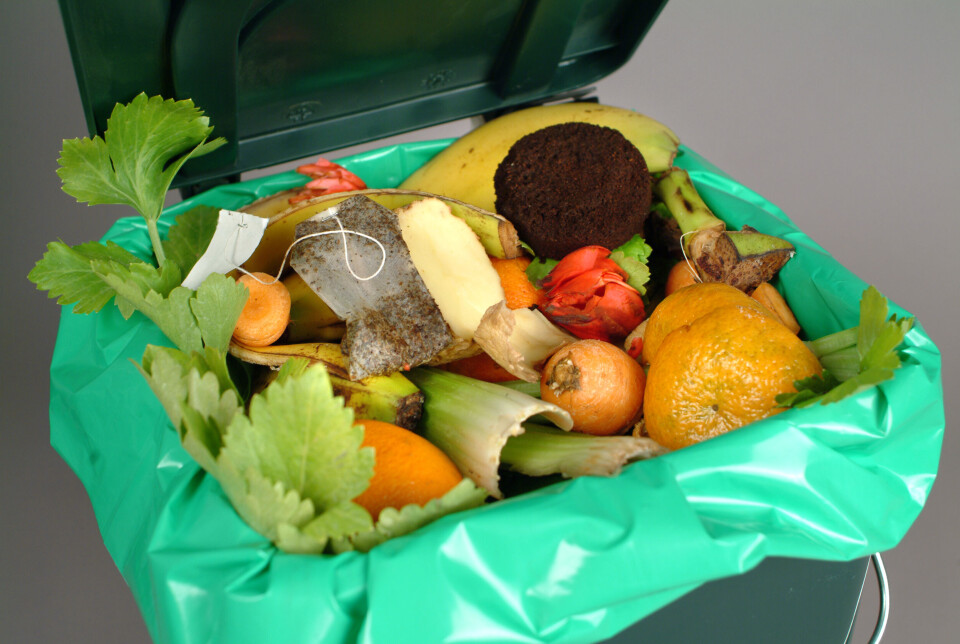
<point>548,297</point>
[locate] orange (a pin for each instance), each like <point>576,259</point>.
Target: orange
<point>686,305</point>
<point>408,468</point>
<point>682,274</point>
<point>721,372</point>
<point>519,290</point>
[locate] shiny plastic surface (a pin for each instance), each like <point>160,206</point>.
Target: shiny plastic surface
<point>574,562</point>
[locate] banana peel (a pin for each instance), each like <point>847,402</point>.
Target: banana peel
<point>744,258</point>
<point>310,317</point>
<point>465,169</point>
<point>392,398</point>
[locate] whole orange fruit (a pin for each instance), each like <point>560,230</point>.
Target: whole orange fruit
<point>721,372</point>
<point>408,468</point>
<point>686,305</point>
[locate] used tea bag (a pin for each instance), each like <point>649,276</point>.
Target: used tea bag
<point>392,322</point>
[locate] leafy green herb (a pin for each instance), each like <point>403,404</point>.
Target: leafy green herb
<point>67,273</point>
<point>189,237</point>
<point>291,466</point>
<point>145,144</point>
<point>191,319</point>
<point>853,359</point>
<point>539,268</point>
<point>632,257</point>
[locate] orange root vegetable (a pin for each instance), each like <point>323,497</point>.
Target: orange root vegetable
<point>772,300</point>
<point>479,367</point>
<point>682,274</point>
<point>519,290</point>
<point>266,314</point>
<point>597,383</point>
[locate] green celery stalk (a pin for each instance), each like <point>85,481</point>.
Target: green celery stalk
<point>542,450</point>
<point>471,420</point>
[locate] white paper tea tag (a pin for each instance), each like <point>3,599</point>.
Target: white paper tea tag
<point>236,237</point>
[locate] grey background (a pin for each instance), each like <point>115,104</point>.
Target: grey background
<point>843,113</point>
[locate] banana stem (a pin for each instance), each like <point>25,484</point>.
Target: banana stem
<point>681,198</point>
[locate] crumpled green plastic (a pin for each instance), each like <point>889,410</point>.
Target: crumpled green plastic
<point>574,562</point>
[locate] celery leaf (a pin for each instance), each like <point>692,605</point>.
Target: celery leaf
<point>300,435</point>
<point>145,144</point>
<point>878,338</point>
<point>395,522</point>
<point>632,257</point>
<point>216,306</point>
<point>189,237</point>
<point>67,273</point>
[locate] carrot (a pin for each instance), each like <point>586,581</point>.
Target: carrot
<point>597,383</point>
<point>520,292</point>
<point>267,312</point>
<point>682,274</point>
<point>772,300</point>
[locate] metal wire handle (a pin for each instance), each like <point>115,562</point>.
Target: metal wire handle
<point>884,587</point>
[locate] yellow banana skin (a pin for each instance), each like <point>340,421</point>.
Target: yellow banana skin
<point>465,170</point>
<point>309,315</point>
<point>392,398</point>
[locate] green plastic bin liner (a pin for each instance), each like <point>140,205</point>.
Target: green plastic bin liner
<point>576,561</point>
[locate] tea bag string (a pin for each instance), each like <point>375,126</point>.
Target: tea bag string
<point>689,262</point>
<point>343,232</point>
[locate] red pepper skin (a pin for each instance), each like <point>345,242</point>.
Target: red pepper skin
<point>586,293</point>
<point>328,178</point>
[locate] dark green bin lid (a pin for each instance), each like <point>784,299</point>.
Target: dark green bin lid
<point>287,79</point>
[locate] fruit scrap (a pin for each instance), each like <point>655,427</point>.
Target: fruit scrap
<point>452,263</point>
<point>328,178</point>
<point>391,398</point>
<point>408,469</point>
<point>743,258</point>
<point>465,169</point>
<point>720,372</point>
<point>391,318</point>
<point>587,294</point>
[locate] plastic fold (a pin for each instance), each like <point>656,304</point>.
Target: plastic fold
<point>576,561</point>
